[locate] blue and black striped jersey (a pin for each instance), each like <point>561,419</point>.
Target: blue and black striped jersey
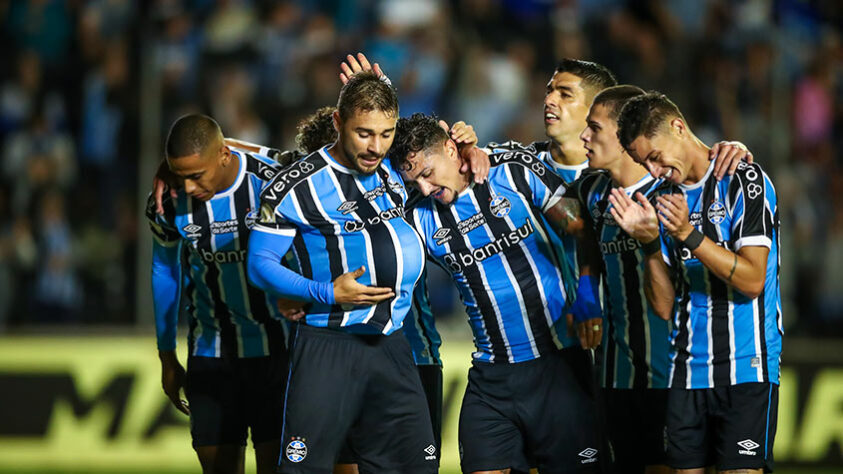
<point>228,316</point>
<point>340,220</point>
<point>569,174</point>
<point>637,353</point>
<point>420,328</point>
<point>506,260</point>
<point>721,336</point>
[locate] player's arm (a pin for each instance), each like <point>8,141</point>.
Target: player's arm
<point>166,294</point>
<point>744,270</point>
<point>639,220</point>
<point>266,250</point>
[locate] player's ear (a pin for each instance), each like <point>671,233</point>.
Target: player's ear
<point>677,125</point>
<point>451,149</point>
<point>337,121</point>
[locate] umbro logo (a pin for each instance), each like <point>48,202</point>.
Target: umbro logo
<point>589,454</point>
<point>431,453</point>
<point>347,207</point>
<point>748,446</point>
<point>442,236</point>
<point>192,231</point>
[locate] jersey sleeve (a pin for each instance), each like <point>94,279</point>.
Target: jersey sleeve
<point>163,229</point>
<point>276,214</point>
<point>166,293</point>
<point>751,200</point>
<point>535,179</point>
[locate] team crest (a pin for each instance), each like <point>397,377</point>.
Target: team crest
<point>500,206</point>
<point>192,231</point>
<point>296,450</point>
<point>716,212</point>
<point>395,186</point>
<point>251,217</point>
<point>442,236</point>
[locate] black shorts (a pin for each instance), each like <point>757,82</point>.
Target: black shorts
<point>229,397</point>
<point>635,420</point>
<point>530,414</point>
<point>431,379</point>
<point>364,389</point>
<point>730,427</point>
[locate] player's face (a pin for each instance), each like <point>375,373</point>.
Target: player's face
<point>600,138</point>
<point>365,137</point>
<point>565,108</point>
<point>202,174</point>
<point>436,172</point>
<point>661,154</point>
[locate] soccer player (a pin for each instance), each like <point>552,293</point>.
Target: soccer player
<point>236,368</point>
<point>498,242</point>
<point>341,210</point>
<point>722,240</point>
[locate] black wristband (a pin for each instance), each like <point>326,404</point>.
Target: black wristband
<point>652,246</point>
<point>693,240</point>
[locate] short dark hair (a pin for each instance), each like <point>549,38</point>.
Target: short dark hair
<point>365,91</point>
<point>316,130</point>
<point>644,115</point>
<point>191,134</point>
<point>413,134</point>
<point>595,77</point>
<point>614,98</point>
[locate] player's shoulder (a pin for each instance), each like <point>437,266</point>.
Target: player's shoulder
<point>286,178</point>
<point>263,167</point>
<point>167,203</point>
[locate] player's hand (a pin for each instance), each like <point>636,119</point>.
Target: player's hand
<point>172,379</point>
<point>460,132</point>
<point>291,309</point>
<point>673,214</point>
<point>590,333</point>
<point>639,220</point>
<point>352,66</point>
<point>163,181</point>
<point>727,156</point>
<point>348,291</point>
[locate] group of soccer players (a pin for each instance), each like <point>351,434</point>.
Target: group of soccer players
<point>304,278</point>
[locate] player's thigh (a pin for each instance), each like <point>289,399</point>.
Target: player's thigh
<point>394,432</point>
<point>266,456</point>
<point>688,428</point>
<point>489,434</point>
<point>746,426</point>
<point>213,393</point>
<point>636,427</point>
<point>323,396</point>
<point>563,436</point>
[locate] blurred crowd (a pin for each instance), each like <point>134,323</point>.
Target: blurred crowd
<point>765,72</point>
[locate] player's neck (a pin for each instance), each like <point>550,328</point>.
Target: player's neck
<point>566,154</point>
<point>231,172</point>
<point>696,152</point>
<point>627,172</point>
<point>338,154</point>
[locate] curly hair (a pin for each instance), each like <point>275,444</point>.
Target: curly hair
<point>413,134</point>
<point>316,130</point>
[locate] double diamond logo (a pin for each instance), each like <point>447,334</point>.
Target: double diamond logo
<point>431,453</point>
<point>588,454</point>
<point>748,446</point>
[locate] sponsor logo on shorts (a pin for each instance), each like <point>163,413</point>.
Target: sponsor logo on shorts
<point>590,455</point>
<point>430,452</point>
<point>192,231</point>
<point>500,206</point>
<point>716,212</point>
<point>296,450</point>
<point>748,446</point>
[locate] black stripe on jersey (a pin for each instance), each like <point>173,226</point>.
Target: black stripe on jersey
<point>257,298</point>
<point>228,333</point>
<point>719,294</point>
<point>260,169</point>
<point>474,278</point>
<point>285,181</point>
<point>311,213</point>
<point>187,296</point>
<point>755,220</point>
<point>533,164</point>
<point>520,266</point>
<point>680,367</point>
<point>384,251</point>
<point>636,326</point>
<point>611,353</point>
